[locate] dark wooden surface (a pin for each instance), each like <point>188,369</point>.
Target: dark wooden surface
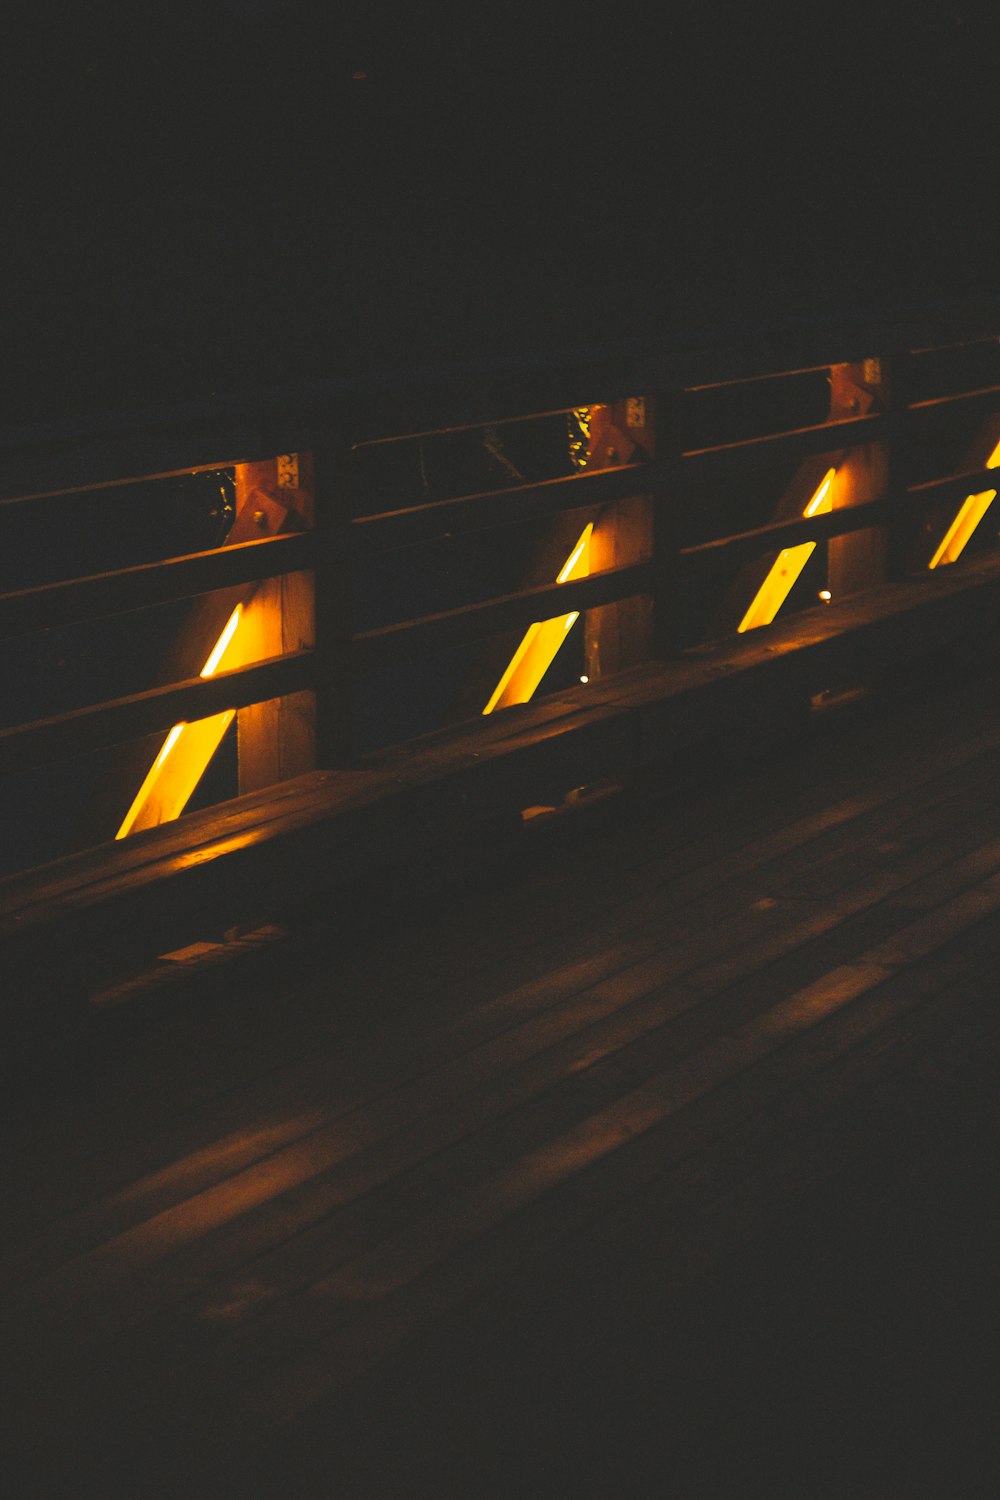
<point>152,583</point>
<point>269,852</point>
<point>83,729</point>
<point>662,1162</point>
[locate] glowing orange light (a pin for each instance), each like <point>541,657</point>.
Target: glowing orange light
<point>787,566</point>
<point>568,569</point>
<point>819,502</point>
<point>219,649</point>
<point>542,641</point>
<point>971,512</point>
<point>166,791</point>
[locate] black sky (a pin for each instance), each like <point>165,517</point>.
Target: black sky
<point>205,196</point>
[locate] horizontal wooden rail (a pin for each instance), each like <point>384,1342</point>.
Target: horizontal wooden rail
<point>109,460</point>
<point>712,557</point>
<point>455,627</point>
<point>392,439</point>
<point>389,414</point>
<point>152,583</point>
<point>98,486</point>
<point>528,502</point>
<point>384,530</point>
<point>707,558</point>
<point>986,396</point>
<point>785,447</point>
<point>99,725</point>
<point>955,486</point>
<point>771,375</point>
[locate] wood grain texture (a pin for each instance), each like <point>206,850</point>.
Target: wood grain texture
<point>553,1147</point>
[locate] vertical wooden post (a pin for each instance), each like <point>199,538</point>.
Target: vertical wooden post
<point>334,612</point>
<point>277,740</point>
<point>857,560</point>
<point>898,466</point>
<point>620,635</point>
<point>668,622</point>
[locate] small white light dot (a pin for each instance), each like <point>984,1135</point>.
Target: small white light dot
<point>584,678</point>
<point>825,595</point>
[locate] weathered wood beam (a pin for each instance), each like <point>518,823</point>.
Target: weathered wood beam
<point>715,556</point>
<point>510,612</point>
<point>91,728</point>
<point>152,583</point>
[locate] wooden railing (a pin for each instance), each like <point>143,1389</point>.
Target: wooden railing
<point>338,424</point>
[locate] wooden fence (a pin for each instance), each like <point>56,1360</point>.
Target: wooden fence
<point>913,407</point>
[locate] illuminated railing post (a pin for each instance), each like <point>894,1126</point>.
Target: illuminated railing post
<point>277,738</point>
<point>788,565</point>
<point>187,750</point>
<point>620,635</point>
<point>857,559</point>
<point>970,513</point>
<point>542,641</point>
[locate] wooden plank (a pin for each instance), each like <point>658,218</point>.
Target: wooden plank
<point>784,447</point>
<point>595,907</point>
<point>85,729</point>
<point>824,917</point>
<point>365,1334</point>
<point>277,738</point>
<point>507,507</point>
<point>373,648</point>
<point>715,556</point>
<point>681,1214</point>
<point>953,486</point>
<point>677,1002</point>
<point>599,915</point>
<point>334,603</point>
<point>141,449</point>
<point>476,751</point>
<point>857,560</point>
<point>176,439</point>
<point>509,388</point>
<point>663,935</point>
<point>617,636</point>
<point>721,1219</point>
<point>93,867</point>
<point>984,399</point>
<point>496,1251</point>
<point>519,503</point>
<point>968,867</point>
<point>333,1162</point>
<point>960,807</point>
<point>108,1261</point>
<point>576,966</point>
<point>414,1248</point>
<point>327,1362</point>
<point>151,583</point>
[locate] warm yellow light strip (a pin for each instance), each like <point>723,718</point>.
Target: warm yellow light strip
<point>570,568</point>
<point>221,645</point>
<point>543,640</point>
<point>155,803</point>
<point>822,501</point>
<point>971,512</point>
<point>788,565</point>
<point>974,508</point>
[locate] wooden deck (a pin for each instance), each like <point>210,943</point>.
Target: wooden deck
<point>662,1163</point>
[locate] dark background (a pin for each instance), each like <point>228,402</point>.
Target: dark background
<point>203,196</point>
